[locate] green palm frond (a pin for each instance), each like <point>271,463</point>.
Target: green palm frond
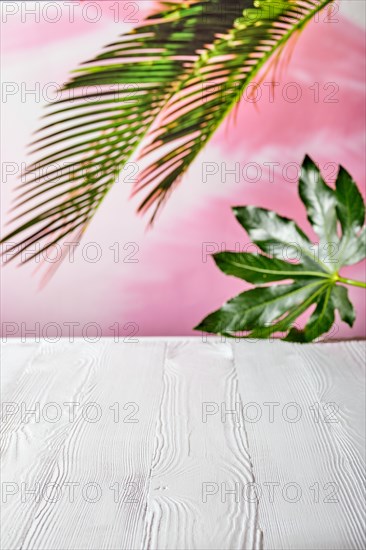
<point>216,84</point>
<point>112,103</point>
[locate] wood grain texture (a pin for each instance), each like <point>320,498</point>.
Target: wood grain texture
<point>183,476</point>
<point>108,459</point>
<point>306,442</point>
<point>338,376</point>
<point>195,454</point>
<point>14,356</point>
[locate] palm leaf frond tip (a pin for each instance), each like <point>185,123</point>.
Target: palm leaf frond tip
<point>171,67</point>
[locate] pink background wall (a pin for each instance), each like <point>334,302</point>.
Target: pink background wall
<point>171,286</point>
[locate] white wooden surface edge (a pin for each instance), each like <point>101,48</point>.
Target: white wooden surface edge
<point>175,455</point>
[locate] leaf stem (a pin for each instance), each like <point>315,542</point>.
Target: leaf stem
<point>351,282</point>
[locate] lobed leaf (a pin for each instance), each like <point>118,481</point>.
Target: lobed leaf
<point>259,269</point>
<point>267,310</point>
<point>342,303</point>
<point>258,308</point>
<point>320,202</point>
<point>278,236</point>
<point>351,214</point>
<point>350,205</point>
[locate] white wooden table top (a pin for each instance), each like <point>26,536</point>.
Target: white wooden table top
<point>183,444</point>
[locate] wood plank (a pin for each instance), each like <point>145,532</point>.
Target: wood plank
<point>320,457</point>
<point>193,457</point>
<point>154,477</point>
<point>15,355</point>
<point>109,459</point>
<point>338,375</point>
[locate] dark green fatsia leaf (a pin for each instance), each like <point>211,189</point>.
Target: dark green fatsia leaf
<point>350,205</point>
<point>351,214</point>
<point>323,317</point>
<point>258,308</point>
<point>353,249</point>
<point>286,322</point>
<point>259,269</point>
<point>320,321</point>
<point>342,303</point>
<point>278,236</point>
<point>267,310</point>
<point>320,202</point>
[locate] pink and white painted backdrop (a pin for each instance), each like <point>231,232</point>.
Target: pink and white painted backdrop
<point>170,288</point>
